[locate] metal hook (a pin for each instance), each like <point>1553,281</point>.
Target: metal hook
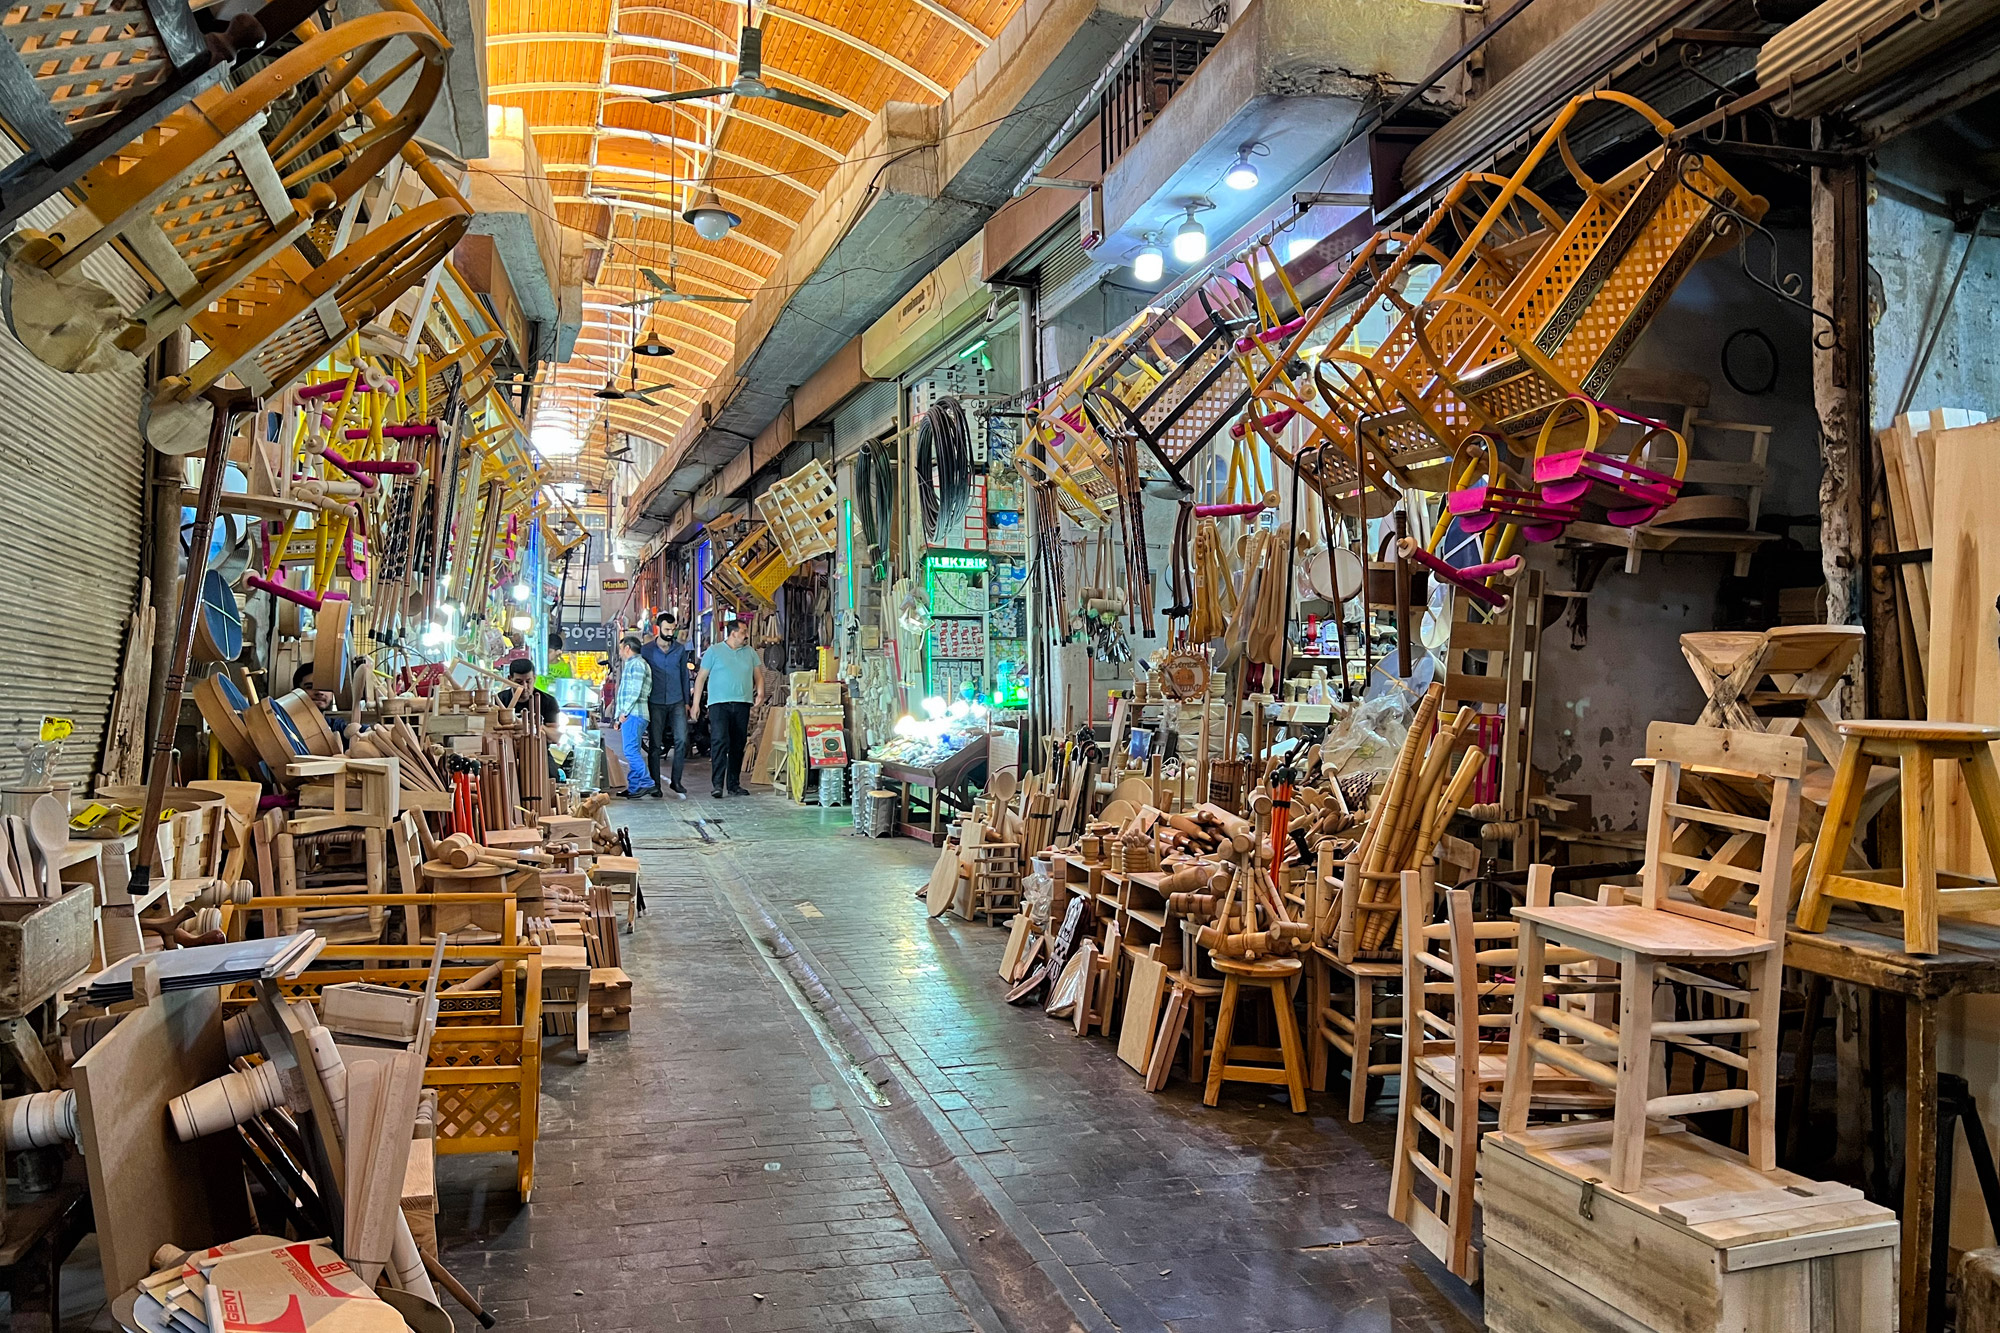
<point>1787,287</point>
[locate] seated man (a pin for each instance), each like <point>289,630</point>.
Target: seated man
<point>533,706</point>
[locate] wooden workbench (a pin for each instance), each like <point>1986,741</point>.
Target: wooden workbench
<point>1870,953</point>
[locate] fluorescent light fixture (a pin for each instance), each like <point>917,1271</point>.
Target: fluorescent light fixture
<point>520,592</point>
<point>973,350</point>
<point>1242,173</point>
<point>1190,240</point>
<point>522,622</point>
<point>1149,265</point>
<point>710,220</point>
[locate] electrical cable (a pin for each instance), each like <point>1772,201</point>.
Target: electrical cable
<point>944,447</point>
<point>874,494</point>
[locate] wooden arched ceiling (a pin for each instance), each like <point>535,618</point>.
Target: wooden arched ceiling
<point>623,169</point>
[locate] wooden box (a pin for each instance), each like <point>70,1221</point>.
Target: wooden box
<point>1705,1245</point>
<point>43,943</point>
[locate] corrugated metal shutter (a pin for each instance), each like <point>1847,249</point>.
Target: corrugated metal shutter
<point>867,414</point>
<point>73,469</point>
<point>1516,107</point>
<point>1845,47</point>
<point>1064,262</point>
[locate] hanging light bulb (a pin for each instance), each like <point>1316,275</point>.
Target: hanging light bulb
<point>651,345</point>
<point>710,220</point>
<point>1191,240</point>
<point>1242,173</point>
<point>1150,264</point>
<point>520,592</point>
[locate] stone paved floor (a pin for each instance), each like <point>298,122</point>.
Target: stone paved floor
<point>859,1134</point>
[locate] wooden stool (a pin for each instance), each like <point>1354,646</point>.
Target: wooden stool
<point>1271,974</point>
<point>1792,667</point>
<point>1920,891</point>
<point>1352,1035</point>
<point>621,873</point>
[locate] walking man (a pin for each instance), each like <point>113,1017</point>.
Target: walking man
<point>629,714</point>
<point>732,676</point>
<point>671,664</point>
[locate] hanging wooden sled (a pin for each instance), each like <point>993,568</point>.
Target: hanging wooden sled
<point>1630,492</point>
<point>1483,498</point>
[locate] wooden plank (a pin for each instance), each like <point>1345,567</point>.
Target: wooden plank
<point>1142,1011</point>
<point>148,1189</point>
<point>1739,751</point>
<point>1964,675</point>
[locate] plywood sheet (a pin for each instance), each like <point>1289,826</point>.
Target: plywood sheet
<point>1142,1011</point>
<point>1965,654</point>
<point>147,1188</point>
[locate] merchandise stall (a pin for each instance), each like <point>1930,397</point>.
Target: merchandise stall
<point>1349,787</point>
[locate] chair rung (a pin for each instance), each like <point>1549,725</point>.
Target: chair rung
<point>1431,1172</point>
<point>1697,980</point>
<point>1720,818</point>
<point>1565,1057</point>
<point>1703,866</point>
<point>1429,1122</point>
<point>1694,1103</point>
<point>1576,1025</point>
<point>1705,1026</point>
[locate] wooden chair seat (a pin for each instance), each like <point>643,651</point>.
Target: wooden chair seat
<point>1635,928</point>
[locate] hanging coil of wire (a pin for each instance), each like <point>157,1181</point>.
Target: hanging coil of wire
<point>944,468</point>
<point>875,494</point>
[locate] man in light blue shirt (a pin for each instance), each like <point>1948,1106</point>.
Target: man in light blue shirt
<point>736,671</point>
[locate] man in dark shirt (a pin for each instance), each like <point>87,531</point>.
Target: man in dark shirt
<point>532,704</point>
<point>670,663</point>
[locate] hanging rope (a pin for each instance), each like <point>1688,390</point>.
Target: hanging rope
<point>944,469</point>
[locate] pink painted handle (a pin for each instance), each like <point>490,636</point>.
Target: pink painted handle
<point>379,466</point>
<point>1269,336</point>
<point>1228,511</point>
<point>1462,579</point>
<point>425,432</point>
<point>311,601</point>
<point>334,457</point>
<point>1277,420</point>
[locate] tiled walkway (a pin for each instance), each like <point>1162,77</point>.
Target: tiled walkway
<point>827,1118</point>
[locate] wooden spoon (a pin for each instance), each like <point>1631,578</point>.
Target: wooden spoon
<point>1002,786</point>
<point>48,830</point>
<point>24,851</point>
<point>10,887</point>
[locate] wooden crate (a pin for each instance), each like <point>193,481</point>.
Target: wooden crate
<point>1705,1245</point>
<point>802,513</point>
<point>43,943</point>
<point>486,1055</point>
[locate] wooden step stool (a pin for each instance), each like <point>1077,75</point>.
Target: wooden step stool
<point>1271,974</point>
<point>1920,891</point>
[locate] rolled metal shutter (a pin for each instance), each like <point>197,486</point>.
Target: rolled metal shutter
<point>1518,106</point>
<point>867,414</point>
<point>73,470</point>
<point>1845,47</point>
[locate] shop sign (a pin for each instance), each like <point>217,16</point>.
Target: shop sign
<point>598,638</point>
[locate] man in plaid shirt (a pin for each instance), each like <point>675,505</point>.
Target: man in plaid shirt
<point>629,713</point>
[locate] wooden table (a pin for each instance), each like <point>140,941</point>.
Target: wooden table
<point>1869,953</point>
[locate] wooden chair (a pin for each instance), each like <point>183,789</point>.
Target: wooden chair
<point>1451,1069</point>
<point>1920,891</point>
<point>1663,938</point>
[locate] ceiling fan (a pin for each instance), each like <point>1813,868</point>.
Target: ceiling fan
<point>668,290</point>
<point>749,81</point>
<point>612,393</point>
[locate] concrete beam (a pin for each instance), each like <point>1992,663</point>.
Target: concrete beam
<point>1291,75</point>
<point>456,122</point>
<point>509,192</point>
<point>915,188</point>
